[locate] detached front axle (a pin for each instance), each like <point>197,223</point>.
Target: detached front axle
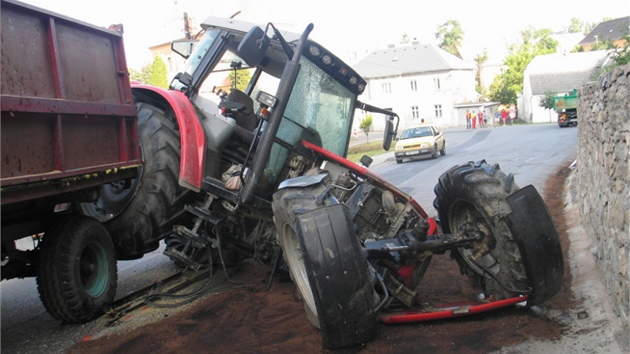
<point>435,243</point>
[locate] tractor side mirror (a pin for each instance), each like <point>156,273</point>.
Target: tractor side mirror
<point>388,134</point>
<point>183,47</point>
<point>253,47</point>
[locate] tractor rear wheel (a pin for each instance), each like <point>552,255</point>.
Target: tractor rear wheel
<point>328,266</point>
<point>473,199</point>
<point>144,210</point>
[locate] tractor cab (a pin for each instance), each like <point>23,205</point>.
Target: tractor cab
<point>269,90</point>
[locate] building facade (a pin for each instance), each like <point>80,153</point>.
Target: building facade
<point>417,82</point>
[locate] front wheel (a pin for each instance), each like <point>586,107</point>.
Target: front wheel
<point>435,152</point>
<point>77,269</point>
<point>508,259</point>
<point>328,266</point>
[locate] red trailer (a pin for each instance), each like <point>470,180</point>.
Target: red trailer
<point>69,136</point>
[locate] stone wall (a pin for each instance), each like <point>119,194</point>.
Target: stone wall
<point>602,179</point>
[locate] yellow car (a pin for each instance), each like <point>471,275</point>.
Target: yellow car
<point>418,141</point>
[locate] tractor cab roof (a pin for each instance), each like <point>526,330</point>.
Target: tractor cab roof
<point>276,57</point>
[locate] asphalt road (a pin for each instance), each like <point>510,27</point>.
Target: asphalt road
<point>530,152</point>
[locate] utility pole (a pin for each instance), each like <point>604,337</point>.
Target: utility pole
<point>187,26</point>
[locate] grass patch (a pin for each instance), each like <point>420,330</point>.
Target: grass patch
<point>355,152</point>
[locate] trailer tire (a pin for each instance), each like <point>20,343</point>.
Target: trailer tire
<point>158,199</point>
<point>328,266</point>
<point>77,272</point>
<point>472,198</point>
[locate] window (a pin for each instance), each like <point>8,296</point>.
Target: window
<point>414,112</point>
<point>387,87</point>
<point>414,86</point>
<point>438,110</point>
<point>436,83</point>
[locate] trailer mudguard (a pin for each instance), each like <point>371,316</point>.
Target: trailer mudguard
<point>192,136</point>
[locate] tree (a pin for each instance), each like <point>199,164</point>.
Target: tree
<point>576,26</point>
<point>621,55</point>
<point>366,125</point>
<point>603,45</point>
<point>509,83</point>
<point>450,36</point>
<point>239,79</point>
<point>151,74</point>
<point>143,76</point>
<point>158,73</point>
<point>546,101</point>
<point>480,59</point>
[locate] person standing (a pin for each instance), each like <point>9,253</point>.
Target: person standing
<point>473,120</point>
<point>480,119</point>
<point>468,116</point>
<point>504,115</point>
<point>512,113</point>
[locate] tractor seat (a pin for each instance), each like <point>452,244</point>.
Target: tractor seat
<point>244,116</point>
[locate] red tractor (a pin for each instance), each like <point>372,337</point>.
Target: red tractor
<point>268,177</point>
<point>244,157</point>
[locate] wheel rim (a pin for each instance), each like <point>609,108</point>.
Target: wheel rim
<point>93,270</point>
<point>467,220</point>
<point>294,256</point>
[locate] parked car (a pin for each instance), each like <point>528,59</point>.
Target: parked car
<point>418,141</point>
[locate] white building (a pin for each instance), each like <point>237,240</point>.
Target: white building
<point>557,74</point>
<point>417,82</point>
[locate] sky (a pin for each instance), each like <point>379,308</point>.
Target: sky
<point>350,28</point>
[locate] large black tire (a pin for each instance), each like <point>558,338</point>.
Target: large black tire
<point>435,153</point>
<point>328,266</point>
<point>443,149</point>
<point>77,272</point>
<point>156,199</point>
<point>472,198</point>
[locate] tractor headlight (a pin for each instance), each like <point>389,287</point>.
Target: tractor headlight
<point>266,99</point>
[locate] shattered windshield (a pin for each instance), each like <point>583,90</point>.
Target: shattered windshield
<point>320,104</point>
<point>320,111</point>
